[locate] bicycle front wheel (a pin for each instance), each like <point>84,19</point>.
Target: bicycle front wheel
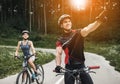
<point>23,78</point>
<point>78,81</point>
<point>40,74</point>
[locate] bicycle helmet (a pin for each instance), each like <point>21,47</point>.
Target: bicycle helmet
<point>62,17</point>
<point>25,31</point>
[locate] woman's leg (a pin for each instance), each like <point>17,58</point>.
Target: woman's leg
<point>31,62</point>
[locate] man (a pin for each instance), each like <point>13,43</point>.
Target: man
<point>72,42</point>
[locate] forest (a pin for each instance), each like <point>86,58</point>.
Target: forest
<point>41,16</point>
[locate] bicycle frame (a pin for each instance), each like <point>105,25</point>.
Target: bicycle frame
<point>28,70</point>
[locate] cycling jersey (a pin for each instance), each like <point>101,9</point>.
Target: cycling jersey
<point>73,46</point>
<point>25,48</point>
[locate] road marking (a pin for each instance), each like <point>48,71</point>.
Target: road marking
<point>59,81</point>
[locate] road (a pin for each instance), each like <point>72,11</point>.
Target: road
<point>105,75</point>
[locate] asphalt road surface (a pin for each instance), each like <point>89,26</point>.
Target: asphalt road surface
<point>105,75</point>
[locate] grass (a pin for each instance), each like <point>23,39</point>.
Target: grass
<point>45,41</point>
<point>110,51</point>
<point>8,41</point>
<point>9,66</point>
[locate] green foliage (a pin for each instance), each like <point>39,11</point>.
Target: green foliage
<point>6,31</point>
<point>17,23</point>
<point>110,51</point>
<point>9,65</point>
<point>8,41</point>
<point>44,41</point>
<point>53,25</point>
<point>44,57</point>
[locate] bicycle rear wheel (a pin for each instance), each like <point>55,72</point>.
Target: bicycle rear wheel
<point>23,78</point>
<point>40,74</point>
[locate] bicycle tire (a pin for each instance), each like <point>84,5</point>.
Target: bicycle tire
<point>19,79</point>
<point>78,82</point>
<point>40,76</point>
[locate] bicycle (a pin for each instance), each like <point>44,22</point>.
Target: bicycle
<point>26,74</point>
<point>76,72</point>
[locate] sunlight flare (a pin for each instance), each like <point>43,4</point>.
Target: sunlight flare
<point>79,4</point>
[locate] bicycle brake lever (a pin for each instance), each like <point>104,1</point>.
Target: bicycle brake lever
<point>92,72</point>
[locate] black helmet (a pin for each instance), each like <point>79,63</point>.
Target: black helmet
<point>25,31</point>
<point>62,17</point>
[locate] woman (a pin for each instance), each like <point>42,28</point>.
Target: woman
<point>27,45</point>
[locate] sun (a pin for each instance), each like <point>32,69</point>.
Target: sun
<point>79,4</point>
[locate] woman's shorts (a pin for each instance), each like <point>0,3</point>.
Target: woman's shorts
<point>31,58</point>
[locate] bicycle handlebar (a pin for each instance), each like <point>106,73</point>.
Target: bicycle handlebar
<point>86,69</point>
<point>25,57</point>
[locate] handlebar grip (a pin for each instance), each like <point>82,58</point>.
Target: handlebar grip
<point>94,67</point>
